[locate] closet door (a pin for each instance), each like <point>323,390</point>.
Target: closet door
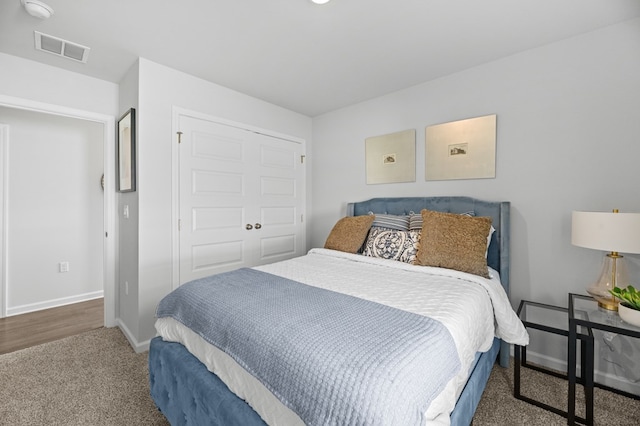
<point>241,198</point>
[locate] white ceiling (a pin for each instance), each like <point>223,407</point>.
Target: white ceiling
<point>305,57</point>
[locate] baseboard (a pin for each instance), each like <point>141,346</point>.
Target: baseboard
<point>55,303</point>
<point>604,378</point>
<point>138,347</point>
<point>547,361</point>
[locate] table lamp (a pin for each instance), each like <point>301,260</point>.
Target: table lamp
<point>613,232</point>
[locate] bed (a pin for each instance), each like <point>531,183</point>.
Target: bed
<point>193,381</point>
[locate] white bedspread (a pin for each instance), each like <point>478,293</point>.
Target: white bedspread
<point>473,309</point>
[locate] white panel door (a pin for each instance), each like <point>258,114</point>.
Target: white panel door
<point>241,199</point>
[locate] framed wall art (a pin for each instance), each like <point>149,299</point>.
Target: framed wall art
<point>464,149</point>
<point>391,158</point>
<point>126,152</point>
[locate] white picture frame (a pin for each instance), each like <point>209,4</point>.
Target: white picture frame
<point>463,149</point>
<point>391,158</point>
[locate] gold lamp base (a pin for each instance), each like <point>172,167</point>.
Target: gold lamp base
<point>611,306</point>
<point>614,272</point>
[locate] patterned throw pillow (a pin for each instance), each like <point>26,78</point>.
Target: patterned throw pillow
<point>392,244</point>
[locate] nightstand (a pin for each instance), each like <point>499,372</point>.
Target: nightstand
<point>550,319</point>
<point>584,317</point>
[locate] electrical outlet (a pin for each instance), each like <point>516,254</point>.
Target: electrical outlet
<point>64,266</point>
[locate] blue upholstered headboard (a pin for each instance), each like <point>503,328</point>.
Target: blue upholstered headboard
<point>498,255</point>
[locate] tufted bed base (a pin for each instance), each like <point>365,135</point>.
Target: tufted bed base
<point>188,394</point>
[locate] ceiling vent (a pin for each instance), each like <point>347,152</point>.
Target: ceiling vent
<point>61,47</point>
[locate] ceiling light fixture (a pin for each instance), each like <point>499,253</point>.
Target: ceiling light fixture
<point>37,8</point>
<point>320,1</point>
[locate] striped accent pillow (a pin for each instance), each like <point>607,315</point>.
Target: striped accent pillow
<point>391,221</point>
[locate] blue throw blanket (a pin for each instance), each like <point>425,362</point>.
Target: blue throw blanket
<point>330,357</point>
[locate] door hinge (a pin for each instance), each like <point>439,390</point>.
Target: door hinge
<point>179,137</point>
<point>179,224</point>
<point>302,159</point>
<point>301,218</point>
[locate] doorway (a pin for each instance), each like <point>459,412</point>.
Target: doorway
<point>103,244</point>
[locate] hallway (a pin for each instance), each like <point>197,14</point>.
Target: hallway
<point>22,331</point>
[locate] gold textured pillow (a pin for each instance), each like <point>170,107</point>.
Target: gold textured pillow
<point>349,233</point>
<point>454,241</point>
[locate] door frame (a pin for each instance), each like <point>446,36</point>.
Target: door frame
<point>4,161</point>
<point>109,244</point>
<point>178,112</point>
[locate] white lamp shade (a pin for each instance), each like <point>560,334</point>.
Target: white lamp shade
<point>616,232</point>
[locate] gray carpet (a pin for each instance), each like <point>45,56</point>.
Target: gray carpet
<point>499,407</point>
<point>97,379</point>
<point>94,378</point>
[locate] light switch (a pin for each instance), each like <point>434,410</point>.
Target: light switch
<point>125,211</point>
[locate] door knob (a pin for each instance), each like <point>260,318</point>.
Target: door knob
<point>249,227</point>
<point>258,226</point>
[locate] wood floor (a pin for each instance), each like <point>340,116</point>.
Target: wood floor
<point>22,331</point>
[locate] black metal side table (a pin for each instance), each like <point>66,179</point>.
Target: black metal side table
<point>584,317</point>
<point>550,319</point>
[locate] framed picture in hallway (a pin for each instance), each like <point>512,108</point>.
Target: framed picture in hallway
<point>126,152</point>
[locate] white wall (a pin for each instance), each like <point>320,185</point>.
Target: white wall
<point>27,79</point>
<point>31,85</point>
<point>161,89</point>
<point>55,210</point>
<point>568,126</point>
<point>127,261</point>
